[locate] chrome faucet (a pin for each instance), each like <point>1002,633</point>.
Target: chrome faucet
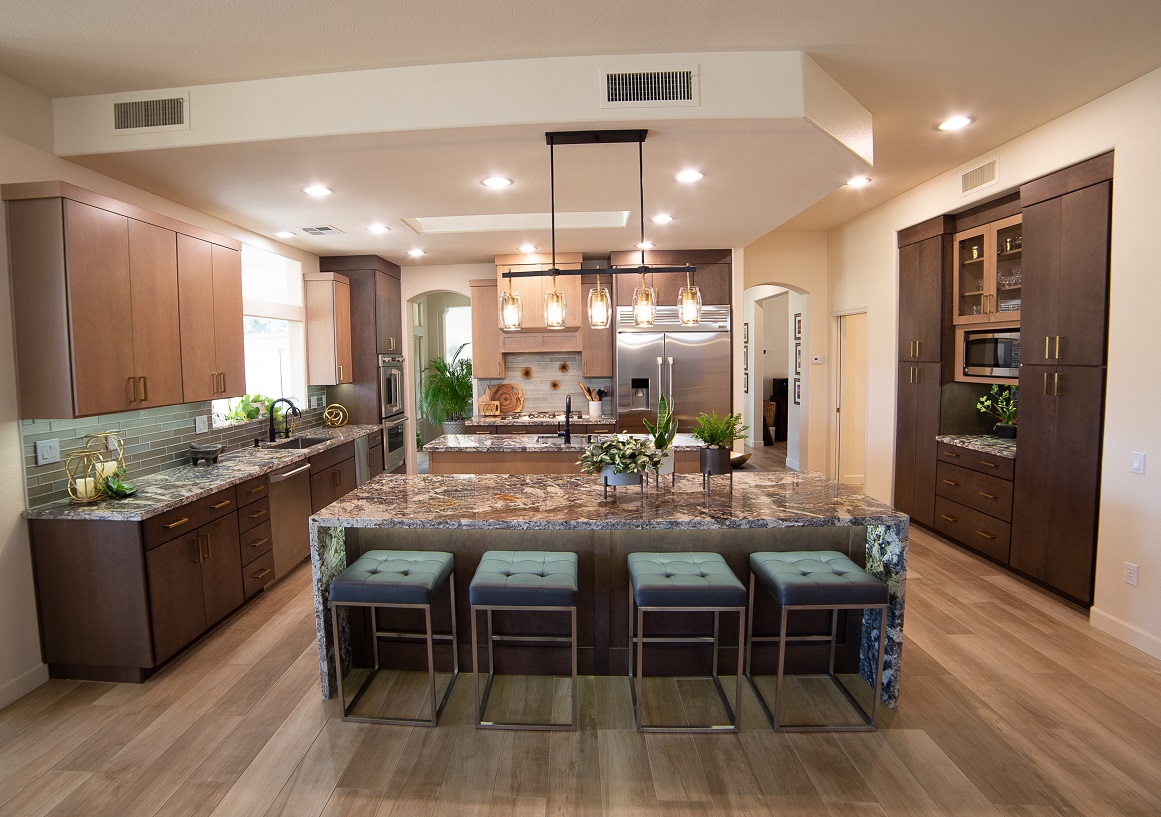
<point>291,409</point>
<point>567,433</point>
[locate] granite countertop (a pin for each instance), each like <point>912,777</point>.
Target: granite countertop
<point>568,502</point>
<point>507,443</point>
<point>985,443</point>
<point>501,420</point>
<point>161,492</point>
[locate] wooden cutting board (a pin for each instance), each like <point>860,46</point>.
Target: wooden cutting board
<point>509,396</point>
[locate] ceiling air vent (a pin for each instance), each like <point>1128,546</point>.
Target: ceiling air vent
<point>978,177</point>
<point>662,88</point>
<point>144,115</point>
<point>325,229</point>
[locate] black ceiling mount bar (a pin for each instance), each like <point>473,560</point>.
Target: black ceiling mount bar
<point>591,137</point>
<point>637,270</point>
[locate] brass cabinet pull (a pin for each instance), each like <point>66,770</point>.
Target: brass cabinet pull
<point>1056,384</point>
<point>336,478</point>
<point>221,504</point>
<point>131,383</point>
<point>144,389</point>
<point>949,482</point>
<point>950,454</point>
<point>1046,392</point>
<point>340,371</point>
<point>223,376</point>
<point>263,573</point>
<point>918,348</point>
<point>198,541</point>
<point>985,535</point>
<point>500,369</point>
<point>260,542</point>
<point>989,496</point>
<point>255,490</point>
<point>987,464</point>
<point>176,524</point>
<point>206,536</point>
<point>1047,340</point>
<point>918,373</point>
<point>1056,353</point>
<point>214,380</point>
<point>257,514</point>
<point>948,518</point>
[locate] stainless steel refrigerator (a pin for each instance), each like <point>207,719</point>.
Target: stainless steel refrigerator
<point>690,364</point>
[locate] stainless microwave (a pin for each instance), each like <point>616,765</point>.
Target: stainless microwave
<point>991,353</point>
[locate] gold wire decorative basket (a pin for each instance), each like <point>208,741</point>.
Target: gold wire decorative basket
<point>109,449</point>
<point>85,479</point>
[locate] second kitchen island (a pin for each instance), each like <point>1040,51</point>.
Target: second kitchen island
<point>470,514</point>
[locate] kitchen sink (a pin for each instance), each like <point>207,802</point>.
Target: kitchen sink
<point>549,438</point>
<point>297,442</point>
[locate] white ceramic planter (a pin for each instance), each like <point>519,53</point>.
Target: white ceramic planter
<point>609,478</point>
<point>595,408</point>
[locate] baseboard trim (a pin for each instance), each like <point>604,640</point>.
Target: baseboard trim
<point>22,684</point>
<point>1133,636</point>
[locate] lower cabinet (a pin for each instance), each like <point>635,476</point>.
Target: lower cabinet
<point>332,475</point>
<point>194,582</point>
<point>916,428</point>
<point>973,503</point>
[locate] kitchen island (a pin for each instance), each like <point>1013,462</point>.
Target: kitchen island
<point>530,453</point>
<point>469,514</point>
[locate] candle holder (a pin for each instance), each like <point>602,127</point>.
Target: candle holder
<point>85,479</point>
<point>108,447</point>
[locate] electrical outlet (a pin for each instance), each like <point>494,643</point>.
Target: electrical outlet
<point>47,451</point>
<point>818,360</point>
<point>1130,574</point>
<point>1137,463</point>
<point>201,424</point>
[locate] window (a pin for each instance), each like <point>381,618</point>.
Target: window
<point>274,332</point>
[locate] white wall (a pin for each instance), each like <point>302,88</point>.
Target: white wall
<point>765,312</point>
<point>862,255</point>
<point>20,662</point>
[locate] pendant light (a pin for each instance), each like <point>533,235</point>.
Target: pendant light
<point>600,306</point>
<point>511,310</point>
<point>555,307</point>
<point>689,303</point>
<point>644,297</point>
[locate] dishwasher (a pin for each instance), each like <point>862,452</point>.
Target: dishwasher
<point>289,515</point>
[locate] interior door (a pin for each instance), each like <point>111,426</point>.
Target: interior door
<point>699,379</point>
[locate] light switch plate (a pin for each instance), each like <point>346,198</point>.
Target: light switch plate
<point>47,451</point>
<point>201,424</point>
<point>1137,463</point>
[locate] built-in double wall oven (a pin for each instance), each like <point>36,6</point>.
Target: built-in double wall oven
<point>391,411</point>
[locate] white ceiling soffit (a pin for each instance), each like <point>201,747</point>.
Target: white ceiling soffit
<point>515,222</point>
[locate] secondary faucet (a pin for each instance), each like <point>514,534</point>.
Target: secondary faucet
<point>291,409</point>
<point>567,433</point>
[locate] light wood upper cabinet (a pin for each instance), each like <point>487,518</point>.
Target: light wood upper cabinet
<point>989,274</point>
<point>210,289</point>
<point>596,345</point>
<point>487,358</point>
<point>154,295</point>
<point>328,329</point>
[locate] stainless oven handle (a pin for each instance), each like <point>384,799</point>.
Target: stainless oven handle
<point>394,423</point>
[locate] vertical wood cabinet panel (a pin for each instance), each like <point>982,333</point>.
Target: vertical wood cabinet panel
<point>389,312</point>
<point>596,345</point>
<point>199,367</point>
<point>154,294</point>
<point>487,358</point>
<point>921,300</point>
<point>175,595</point>
<point>328,329</point>
<point>229,345</point>
<point>917,425</point>
<point>222,589</point>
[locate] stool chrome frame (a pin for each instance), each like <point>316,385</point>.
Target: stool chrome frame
<point>870,720</point>
<point>436,709</point>
<point>492,638</point>
<point>637,642</point>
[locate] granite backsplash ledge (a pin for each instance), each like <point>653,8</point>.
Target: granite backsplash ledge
<point>156,439</point>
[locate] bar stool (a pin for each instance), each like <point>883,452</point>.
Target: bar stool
<point>683,582</point>
<point>522,580</point>
<point>816,580</point>
<point>400,579</point>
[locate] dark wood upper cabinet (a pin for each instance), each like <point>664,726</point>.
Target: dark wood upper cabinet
<point>388,314</point>
<point>154,294</point>
<point>212,347</point>
<point>229,344</point>
<point>923,267</point>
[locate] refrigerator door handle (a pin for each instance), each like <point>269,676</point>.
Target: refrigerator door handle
<point>670,381</point>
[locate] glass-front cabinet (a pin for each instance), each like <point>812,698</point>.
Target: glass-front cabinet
<point>989,272</point>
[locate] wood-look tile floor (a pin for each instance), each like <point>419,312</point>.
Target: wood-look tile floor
<point>1012,706</point>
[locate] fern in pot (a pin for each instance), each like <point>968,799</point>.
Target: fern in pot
<point>662,433</point>
<point>445,395</point>
<point>718,434</point>
<point>1004,406</point>
<point>620,460</point>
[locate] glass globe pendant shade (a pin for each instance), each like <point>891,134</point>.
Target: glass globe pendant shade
<point>511,311</point>
<point>600,306</point>
<point>554,307</point>
<point>644,304</point>
<point>689,304</point>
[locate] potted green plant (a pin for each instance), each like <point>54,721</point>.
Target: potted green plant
<point>445,392</point>
<point>718,434</point>
<point>1004,406</point>
<point>662,433</point>
<point>620,460</point>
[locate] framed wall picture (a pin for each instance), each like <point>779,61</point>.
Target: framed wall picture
<point>798,391</point>
<point>798,358</point>
<point>798,326</point>
<point>745,333</point>
<point>745,382</point>
<point>746,356</point>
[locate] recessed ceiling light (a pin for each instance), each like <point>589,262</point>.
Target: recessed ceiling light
<point>662,218</point>
<point>378,229</point>
<point>689,176</point>
<point>955,123</point>
<point>645,245</point>
<point>859,181</point>
<point>317,190</point>
<point>415,253</point>
<point>527,248</point>
<point>496,182</point>
<point>284,234</point>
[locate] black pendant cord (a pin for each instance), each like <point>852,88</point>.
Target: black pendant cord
<point>641,190</point>
<point>552,205</point>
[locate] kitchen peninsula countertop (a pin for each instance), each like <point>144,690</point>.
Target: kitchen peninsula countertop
<point>984,443</point>
<point>501,420</point>
<point>507,443</point>
<point>158,493</point>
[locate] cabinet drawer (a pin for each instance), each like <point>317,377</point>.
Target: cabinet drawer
<point>1002,467</point>
<point>981,492</point>
<point>253,489</point>
<point>254,514</point>
<point>972,528</point>
<point>256,542</point>
<point>330,457</point>
<point>186,518</point>
<point>332,484</point>
<point>258,574</point>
